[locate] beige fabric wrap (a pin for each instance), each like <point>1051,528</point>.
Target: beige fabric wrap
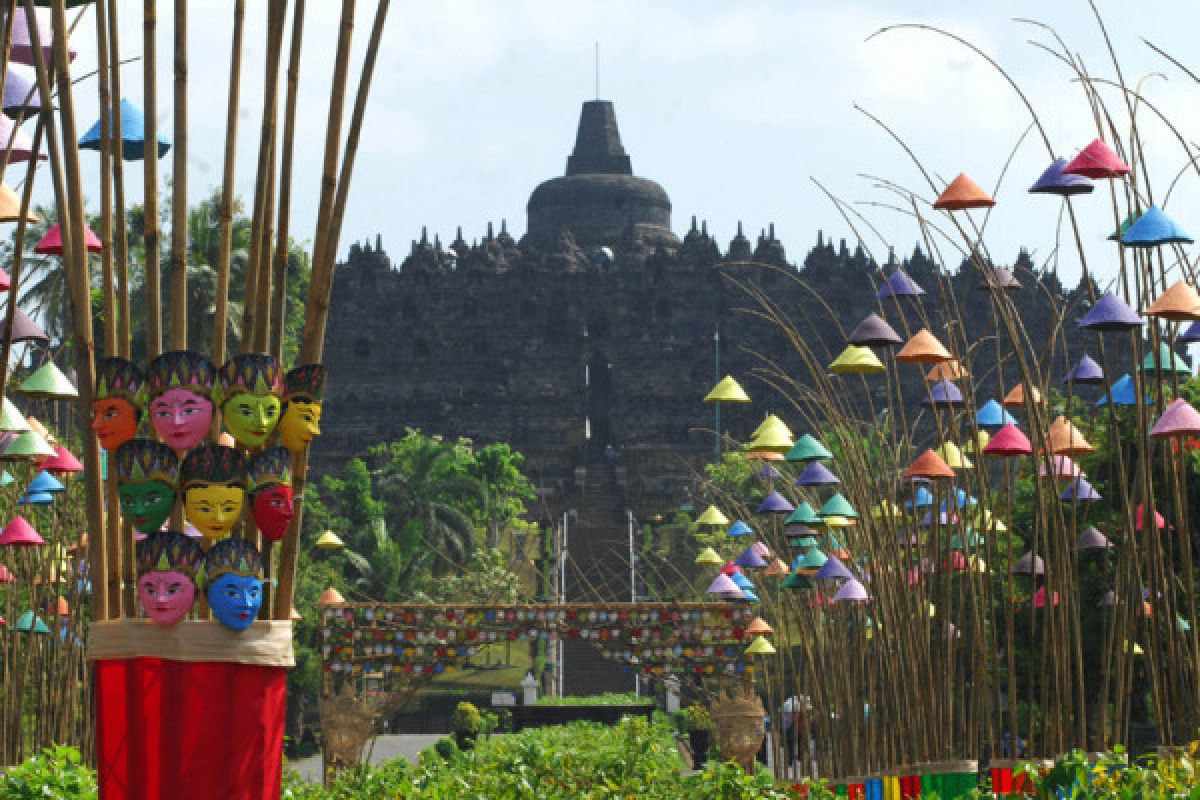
<point>266,643</point>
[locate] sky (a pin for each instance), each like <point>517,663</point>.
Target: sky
<point>737,109</point>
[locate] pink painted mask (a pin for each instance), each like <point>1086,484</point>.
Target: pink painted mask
<point>181,417</point>
<point>166,597</point>
<point>273,510</point>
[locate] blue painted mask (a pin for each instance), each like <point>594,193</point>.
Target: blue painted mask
<point>235,600</point>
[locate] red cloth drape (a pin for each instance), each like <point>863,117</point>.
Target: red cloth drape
<point>175,730</point>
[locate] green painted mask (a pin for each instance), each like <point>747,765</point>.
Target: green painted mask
<point>251,418</point>
<point>146,504</point>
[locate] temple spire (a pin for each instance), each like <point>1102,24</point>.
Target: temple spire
<point>598,147</point>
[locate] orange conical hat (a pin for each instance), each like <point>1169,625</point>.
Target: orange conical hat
<point>10,207</point>
<point>929,465</point>
<point>923,348</point>
<point>1016,397</point>
<point>947,371</point>
<point>1066,440</point>
<point>963,193</point>
<point>1178,302</point>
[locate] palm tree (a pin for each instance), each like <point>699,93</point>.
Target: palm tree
<point>382,566</point>
<point>425,495</point>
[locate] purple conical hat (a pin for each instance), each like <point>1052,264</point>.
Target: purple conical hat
<point>833,569</point>
<point>767,472</point>
<point>1029,564</point>
<point>1111,313</point>
<point>1086,371</point>
<point>775,503</point>
<point>723,585</point>
<point>874,332</point>
<point>817,474</point>
<point>1079,490</point>
<point>851,592</point>
<point>1109,599</point>
<point>1191,334</point>
<point>1001,280</point>
<point>750,559</point>
<point>1092,539</point>
<point>898,284</point>
<point>21,96</point>
<point>944,393</point>
<point>1178,419</point>
<point>1055,181</point>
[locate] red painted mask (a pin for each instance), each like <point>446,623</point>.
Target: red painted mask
<point>273,510</point>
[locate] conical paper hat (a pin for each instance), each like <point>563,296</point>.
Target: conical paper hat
<point>1066,439</point>
<point>929,465</point>
<point>759,627</point>
<point>1111,314</point>
<point>899,284</point>
<point>923,348</point>
<point>855,359</point>
<point>1179,302</point>
<point>52,243</point>
<point>947,371</point>
<point>10,207</point>
<point>1178,419</point>
<point>331,597</point>
<point>11,419</point>
<point>953,456</point>
<point>963,193</point>
<point>727,390</point>
<point>1016,397</point>
<point>851,592</point>
<point>708,556</point>
<point>48,382</point>
<point>26,446</point>
<point>874,331</point>
<point>1097,160</point>
<point>808,448</point>
<point>1055,181</point>
<point>760,647</point>
<point>999,279</point>
<point>19,532</point>
<point>712,516</point>
<point>1152,229</point>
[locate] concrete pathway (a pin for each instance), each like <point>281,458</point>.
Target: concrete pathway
<point>386,748</point>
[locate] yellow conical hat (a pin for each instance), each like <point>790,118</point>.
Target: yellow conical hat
<point>727,391</point>
<point>760,647</point>
<point>709,556</point>
<point>712,516</point>
<point>953,456</point>
<point>856,359</point>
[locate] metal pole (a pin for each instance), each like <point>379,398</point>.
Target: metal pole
<point>637,679</point>
<point>562,592</point>
<point>717,405</point>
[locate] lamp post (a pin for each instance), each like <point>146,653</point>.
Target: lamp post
<point>562,583</point>
<point>717,406</point>
<point>637,679</point>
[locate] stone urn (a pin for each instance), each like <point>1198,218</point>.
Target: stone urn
<point>738,719</point>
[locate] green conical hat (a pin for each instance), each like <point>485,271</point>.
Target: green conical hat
<point>305,382</point>
<point>270,468</point>
<point>47,381</point>
<point>11,419</point>
<point>169,551</point>
<point>213,463</point>
<point>813,559</point>
<point>235,555</point>
<point>143,460</point>
<point>804,515</point>
<point>248,373</point>
<point>1165,355</point>
<point>181,369</point>
<point>838,506</point>
<point>5,479</point>
<point>25,446</point>
<point>808,448</point>
<point>796,581</point>
<point>120,378</point>
<point>802,542</point>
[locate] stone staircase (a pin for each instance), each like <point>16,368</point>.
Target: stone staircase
<point>597,570</point>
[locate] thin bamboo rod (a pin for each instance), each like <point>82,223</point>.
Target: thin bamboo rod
<point>152,277</point>
<point>225,245</point>
<point>179,194</point>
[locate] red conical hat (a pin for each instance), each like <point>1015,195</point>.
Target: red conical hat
<point>1008,441</point>
<point>1097,160</point>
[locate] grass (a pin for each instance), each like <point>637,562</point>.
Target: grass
<point>605,699</point>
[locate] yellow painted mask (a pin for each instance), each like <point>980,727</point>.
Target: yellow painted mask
<point>215,509</point>
<point>301,421</point>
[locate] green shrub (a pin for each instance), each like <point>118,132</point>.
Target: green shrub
<point>447,750</point>
<point>604,699</point>
<point>466,719</point>
<point>693,718</point>
<point>57,773</point>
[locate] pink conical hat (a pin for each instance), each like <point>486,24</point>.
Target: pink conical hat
<point>63,461</point>
<point>1097,160</point>
<point>1008,441</point>
<point>1039,598</point>
<point>851,592</point>
<point>52,244</point>
<point>6,575</point>
<point>19,533</point>
<point>1178,419</point>
<point>1061,467</point>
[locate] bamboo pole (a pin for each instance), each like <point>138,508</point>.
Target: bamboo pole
<point>221,312</point>
<point>179,195</point>
<point>152,277</point>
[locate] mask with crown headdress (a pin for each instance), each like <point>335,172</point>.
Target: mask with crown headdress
<point>248,392</point>
<point>303,394</point>
<point>180,385</point>
<point>167,563</point>
<point>213,478</point>
<point>231,576</point>
<point>118,402</point>
<point>271,502</point>
<point>147,474</point>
